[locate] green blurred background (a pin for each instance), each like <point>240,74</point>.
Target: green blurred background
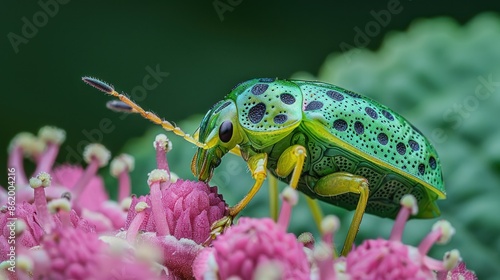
<point>206,51</point>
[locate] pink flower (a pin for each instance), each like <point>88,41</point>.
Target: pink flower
<point>179,225</point>
<point>75,254</point>
<point>120,167</point>
<point>3,196</point>
<point>53,242</point>
<point>324,264</point>
<point>29,232</point>
<point>84,187</point>
<point>191,208</point>
<point>184,209</point>
<point>71,254</point>
<point>65,177</point>
<point>394,260</point>
<point>42,150</point>
<point>40,218</point>
<point>460,272</point>
<point>187,209</point>
<point>256,248</point>
<point>175,217</point>
<point>108,215</point>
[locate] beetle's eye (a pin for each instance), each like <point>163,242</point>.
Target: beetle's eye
<point>226,131</point>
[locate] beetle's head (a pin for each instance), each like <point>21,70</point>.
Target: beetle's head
<point>220,131</point>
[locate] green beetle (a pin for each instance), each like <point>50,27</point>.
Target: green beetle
<point>330,143</point>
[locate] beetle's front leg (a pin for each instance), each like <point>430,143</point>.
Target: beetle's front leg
<point>258,167</point>
<point>341,183</point>
<point>273,187</point>
<point>292,160</point>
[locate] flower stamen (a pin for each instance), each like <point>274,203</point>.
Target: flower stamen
<point>136,223</point>
<point>53,137</point>
<point>162,146</point>
<point>156,177</point>
<point>289,198</point>
<point>121,167</point>
<point>408,207</point>
<point>39,184</point>
<point>96,155</point>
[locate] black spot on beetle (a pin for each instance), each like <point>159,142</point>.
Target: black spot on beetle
<point>287,98</point>
<point>267,80</point>
<point>414,145</point>
<point>370,112</point>
<point>280,118</point>
<point>382,138</point>
<point>259,89</point>
<point>340,125</point>
<point>421,169</point>
<point>432,162</point>
<point>335,95</point>
<point>401,148</point>
<point>388,115</point>
<point>314,105</point>
<point>359,127</point>
<point>256,113</point>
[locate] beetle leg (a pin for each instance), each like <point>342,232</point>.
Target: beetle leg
<point>196,134</point>
<point>341,183</point>
<point>316,212</point>
<point>292,159</point>
<point>258,166</point>
<point>273,196</point>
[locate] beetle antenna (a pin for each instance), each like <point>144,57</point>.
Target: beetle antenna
<point>129,106</point>
<point>119,107</point>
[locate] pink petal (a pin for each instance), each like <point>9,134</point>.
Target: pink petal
<point>202,264</point>
<point>179,255</point>
<point>184,229</point>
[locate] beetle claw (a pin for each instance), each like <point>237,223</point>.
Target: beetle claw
<point>217,228</point>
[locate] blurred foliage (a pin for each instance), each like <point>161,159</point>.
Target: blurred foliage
<point>430,74</point>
